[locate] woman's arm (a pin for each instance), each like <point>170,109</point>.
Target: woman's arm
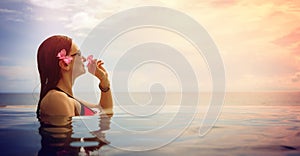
<point>106,103</point>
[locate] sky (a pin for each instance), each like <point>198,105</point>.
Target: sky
<point>257,40</point>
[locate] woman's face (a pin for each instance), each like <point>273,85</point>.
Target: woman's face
<point>78,59</point>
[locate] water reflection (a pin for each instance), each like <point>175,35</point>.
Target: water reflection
<point>70,136</point>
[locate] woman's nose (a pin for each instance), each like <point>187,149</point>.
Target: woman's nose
<point>83,58</point>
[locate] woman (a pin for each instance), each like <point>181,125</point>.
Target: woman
<point>59,63</point>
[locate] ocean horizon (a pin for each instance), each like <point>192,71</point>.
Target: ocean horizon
<point>231,98</point>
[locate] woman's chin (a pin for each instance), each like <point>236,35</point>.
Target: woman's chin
<point>82,72</point>
<point>79,73</point>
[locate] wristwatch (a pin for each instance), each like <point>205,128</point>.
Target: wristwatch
<point>104,89</point>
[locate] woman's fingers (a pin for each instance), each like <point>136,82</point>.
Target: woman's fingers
<point>95,67</point>
<point>99,65</point>
<point>100,62</point>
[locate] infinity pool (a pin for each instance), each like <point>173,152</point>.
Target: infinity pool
<point>240,130</point>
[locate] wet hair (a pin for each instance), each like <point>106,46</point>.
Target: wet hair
<point>48,63</point>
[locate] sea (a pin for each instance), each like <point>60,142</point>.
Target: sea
<point>243,124</point>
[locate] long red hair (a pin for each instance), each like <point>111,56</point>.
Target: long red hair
<point>48,63</point>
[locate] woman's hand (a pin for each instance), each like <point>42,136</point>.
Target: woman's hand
<point>106,102</point>
<point>95,67</point>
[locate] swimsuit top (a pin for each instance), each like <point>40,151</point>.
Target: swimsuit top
<point>84,109</point>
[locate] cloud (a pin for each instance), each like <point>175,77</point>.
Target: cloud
<point>4,59</point>
<point>289,39</point>
<point>296,77</point>
<point>9,11</point>
<point>82,20</point>
<point>12,15</point>
<point>223,3</point>
<point>296,50</point>
<point>286,18</point>
<point>58,4</point>
<point>18,79</point>
<point>291,43</point>
<point>78,17</point>
<point>17,73</point>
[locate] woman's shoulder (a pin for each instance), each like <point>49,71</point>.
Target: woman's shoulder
<point>54,95</point>
<point>57,103</point>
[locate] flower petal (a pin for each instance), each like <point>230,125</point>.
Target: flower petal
<point>90,58</point>
<point>62,54</point>
<point>67,59</point>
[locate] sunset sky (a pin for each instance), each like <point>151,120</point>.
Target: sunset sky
<point>258,40</point>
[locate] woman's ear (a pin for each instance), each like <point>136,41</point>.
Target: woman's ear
<point>63,65</point>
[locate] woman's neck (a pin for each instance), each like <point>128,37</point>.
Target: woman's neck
<point>65,84</point>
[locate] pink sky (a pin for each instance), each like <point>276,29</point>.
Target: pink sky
<point>259,41</point>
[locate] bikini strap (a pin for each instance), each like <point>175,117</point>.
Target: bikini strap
<point>84,110</point>
<point>58,89</point>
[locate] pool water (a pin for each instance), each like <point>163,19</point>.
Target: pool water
<point>240,130</point>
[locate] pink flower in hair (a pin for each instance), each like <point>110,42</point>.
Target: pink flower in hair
<point>62,56</point>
